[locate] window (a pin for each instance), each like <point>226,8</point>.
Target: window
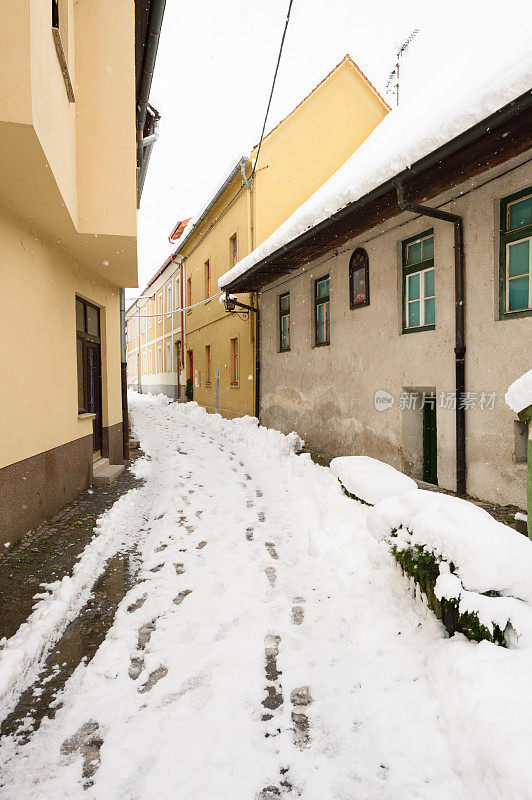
<point>150,312</point>
<point>168,365</point>
<point>207,279</point>
<point>177,294</point>
<point>160,307</point>
<point>150,362</point>
<point>88,355</point>
<point>234,250</point>
<point>208,365</point>
<point>160,358</point>
<point>189,294</point>
<point>168,299</point>
<point>419,310</point>
<point>284,322</point>
<point>515,288</point>
<point>234,361</point>
<point>322,311</point>
<point>359,279</point>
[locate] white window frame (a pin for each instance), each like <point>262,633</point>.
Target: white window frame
<point>159,359</point>
<point>168,357</point>
<point>169,300</point>
<point>523,275</point>
<point>150,362</point>
<point>421,297</point>
<point>150,312</point>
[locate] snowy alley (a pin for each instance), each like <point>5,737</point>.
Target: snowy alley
<point>269,647</point>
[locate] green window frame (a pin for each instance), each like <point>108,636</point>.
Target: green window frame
<point>284,322</point>
<point>515,255</point>
<point>322,311</point>
<point>419,298</point>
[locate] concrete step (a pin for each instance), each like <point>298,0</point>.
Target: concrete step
<point>105,473</point>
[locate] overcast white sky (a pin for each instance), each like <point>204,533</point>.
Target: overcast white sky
<point>215,66</point>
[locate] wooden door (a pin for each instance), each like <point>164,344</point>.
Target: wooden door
<point>94,391</point>
<point>430,447</point>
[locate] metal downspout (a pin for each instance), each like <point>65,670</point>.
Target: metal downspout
<point>257,360</point>
<point>123,375</point>
<point>459,304</point>
<point>150,54</point>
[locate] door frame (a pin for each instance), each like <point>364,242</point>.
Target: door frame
<point>430,441</point>
<point>92,341</point>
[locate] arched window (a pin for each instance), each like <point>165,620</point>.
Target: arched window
<point>359,279</point>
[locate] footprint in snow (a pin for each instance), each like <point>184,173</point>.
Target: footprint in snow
<point>137,604</point>
<point>181,596</point>
<point>153,678</point>
<point>270,547</point>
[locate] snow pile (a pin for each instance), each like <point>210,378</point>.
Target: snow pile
<point>241,430</point>
<point>370,480</point>
<point>484,565</point>
<point>519,394</point>
<point>405,135</point>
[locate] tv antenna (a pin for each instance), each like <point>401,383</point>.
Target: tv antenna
<point>394,74</point>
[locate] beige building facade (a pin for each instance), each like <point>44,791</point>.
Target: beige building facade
<point>68,197</point>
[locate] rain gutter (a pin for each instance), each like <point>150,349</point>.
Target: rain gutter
<point>238,168</point>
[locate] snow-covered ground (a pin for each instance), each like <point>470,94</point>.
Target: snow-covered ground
<point>270,648</point>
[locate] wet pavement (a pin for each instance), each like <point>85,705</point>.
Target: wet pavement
<point>48,552</point>
<point>79,642</point>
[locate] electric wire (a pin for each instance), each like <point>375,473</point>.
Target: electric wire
<point>273,86</point>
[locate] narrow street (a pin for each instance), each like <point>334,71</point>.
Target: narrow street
<point>268,647</point>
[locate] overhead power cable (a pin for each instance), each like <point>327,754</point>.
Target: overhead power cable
<point>273,86</point>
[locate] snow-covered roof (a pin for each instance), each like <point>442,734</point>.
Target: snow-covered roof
<point>519,394</point>
<point>406,135</point>
<point>196,220</point>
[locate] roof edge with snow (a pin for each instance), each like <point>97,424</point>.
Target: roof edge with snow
<point>265,259</point>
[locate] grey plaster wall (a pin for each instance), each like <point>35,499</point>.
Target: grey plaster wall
<point>327,394</point>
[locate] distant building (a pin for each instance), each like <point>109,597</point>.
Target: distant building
<point>296,157</point>
<point>154,333</point>
<point>382,331</point>
<point>70,178</point>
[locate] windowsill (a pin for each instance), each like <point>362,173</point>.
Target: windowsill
<point>419,329</point>
<point>63,64</point>
<point>234,385</point>
<point>322,344</point>
<point>526,312</point>
<point>284,350</point>
<point>208,384</point>
<point>86,415</point>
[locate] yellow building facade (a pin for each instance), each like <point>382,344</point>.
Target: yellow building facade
<point>68,197</point>
<point>296,157</point>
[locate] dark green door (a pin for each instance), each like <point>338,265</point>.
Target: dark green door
<point>430,455</point>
